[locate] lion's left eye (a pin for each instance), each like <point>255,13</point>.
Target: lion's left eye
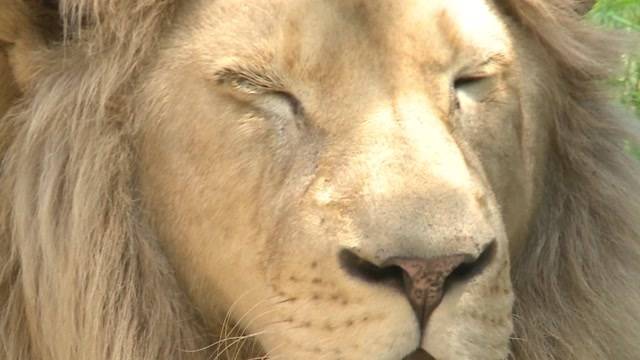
<point>472,88</point>
<point>466,81</point>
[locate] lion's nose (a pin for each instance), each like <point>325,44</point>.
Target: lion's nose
<point>423,280</point>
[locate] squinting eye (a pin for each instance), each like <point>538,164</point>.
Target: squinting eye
<point>260,88</point>
<point>278,103</point>
<point>469,90</point>
<point>465,81</point>
<point>294,103</point>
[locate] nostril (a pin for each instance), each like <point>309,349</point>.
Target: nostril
<point>472,267</point>
<point>369,272</point>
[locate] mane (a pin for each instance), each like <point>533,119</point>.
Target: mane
<point>576,283</point>
<point>81,276</point>
<point>69,214</point>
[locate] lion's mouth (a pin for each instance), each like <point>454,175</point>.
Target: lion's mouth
<point>419,354</point>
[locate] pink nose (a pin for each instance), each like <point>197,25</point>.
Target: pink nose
<point>424,281</point>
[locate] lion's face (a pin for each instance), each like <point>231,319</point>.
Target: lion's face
<point>297,155</point>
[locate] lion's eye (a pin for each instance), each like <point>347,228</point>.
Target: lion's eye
<point>259,88</point>
<point>279,103</point>
<point>466,81</point>
<point>471,89</point>
<point>477,81</point>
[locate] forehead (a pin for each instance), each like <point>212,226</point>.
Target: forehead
<point>437,30</point>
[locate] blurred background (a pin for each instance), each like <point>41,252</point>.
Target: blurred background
<point>624,14</point>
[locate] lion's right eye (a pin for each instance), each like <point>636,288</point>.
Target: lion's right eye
<point>279,103</point>
<point>261,89</point>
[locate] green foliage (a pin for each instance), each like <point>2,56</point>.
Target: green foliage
<point>624,14</point>
<point>617,13</point>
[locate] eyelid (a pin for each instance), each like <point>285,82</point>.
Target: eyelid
<point>489,66</point>
<point>495,62</point>
<point>245,83</point>
<point>464,80</point>
<point>247,80</point>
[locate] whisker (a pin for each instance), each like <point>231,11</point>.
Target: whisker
<point>226,334</point>
<point>231,338</point>
<point>238,339</point>
<point>227,317</point>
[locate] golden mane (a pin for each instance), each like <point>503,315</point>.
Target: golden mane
<point>69,215</point>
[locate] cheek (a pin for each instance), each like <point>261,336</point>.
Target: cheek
<point>494,134</point>
<point>200,160</point>
<point>215,175</point>
<point>202,170</point>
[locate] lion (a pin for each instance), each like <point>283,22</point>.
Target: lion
<point>338,179</point>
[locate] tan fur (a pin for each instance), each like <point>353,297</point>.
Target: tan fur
<point>85,275</point>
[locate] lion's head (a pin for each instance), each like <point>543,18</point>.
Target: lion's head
<point>339,179</point>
